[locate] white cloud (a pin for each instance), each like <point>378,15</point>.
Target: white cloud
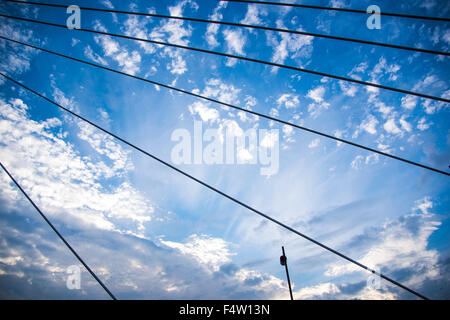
<point>338,134</point>
<point>61,98</point>
<point>348,89</point>
<point>409,102</point>
<point>177,10</point>
<point>315,109</point>
<point>428,4</point>
<point>269,140</point>
<point>382,68</point>
<point>369,124</point>
<point>337,3</point>
<point>288,100</point>
<point>136,27</point>
<point>11,260</point>
<point>75,42</point>
<point>235,40</point>
<point>90,54</point>
<point>314,143</point>
<point>405,125</point>
<point>391,127</point>
<point>423,205</point>
<point>372,158</point>
<point>214,256</point>
<point>137,267</point>
<point>250,102</point>
<point>423,125</point>
<point>107,4</point>
<point>383,108</point>
<point>288,132</point>
<point>368,293</point>
<point>320,291</point>
<point>210,251</point>
<point>106,145</point>
<point>289,45</point>
<point>128,61</point>
<point>316,94</point>
<point>63,182</point>
<point>232,127</point>
<point>206,114</point>
<point>360,68</point>
<point>252,15</point>
<point>401,244</point>
<point>274,112</point>
<point>431,107</point>
<point>383,147</point>
<point>174,31</point>
<point>15,58</point>
<point>178,64</point>
<point>212,29</point>
<point>430,82</point>
<point>357,162</point>
<point>216,88</point>
<point>446,36</point>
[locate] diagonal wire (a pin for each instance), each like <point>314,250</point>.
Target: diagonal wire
<point>217,190</point>
<point>228,55</point>
<point>59,234</point>
<point>234,107</point>
<point>242,25</point>
<point>307,6</point>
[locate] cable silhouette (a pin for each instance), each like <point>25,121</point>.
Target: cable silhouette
<point>306,6</point>
<point>223,194</point>
<point>273,64</point>
<point>242,25</point>
<point>233,107</point>
<point>57,232</point>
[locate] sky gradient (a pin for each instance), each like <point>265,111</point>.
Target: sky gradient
<point>151,233</point>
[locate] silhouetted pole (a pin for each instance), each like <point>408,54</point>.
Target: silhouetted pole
<point>283,262</point>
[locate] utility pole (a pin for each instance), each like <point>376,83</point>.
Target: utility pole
<point>283,262</point>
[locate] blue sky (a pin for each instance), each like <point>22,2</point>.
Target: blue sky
<point>149,232</point>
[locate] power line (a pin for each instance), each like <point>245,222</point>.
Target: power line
<point>249,26</point>
<point>273,64</point>
<point>217,190</point>
<point>306,6</point>
<point>400,15</point>
<point>233,106</point>
<point>56,231</point>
